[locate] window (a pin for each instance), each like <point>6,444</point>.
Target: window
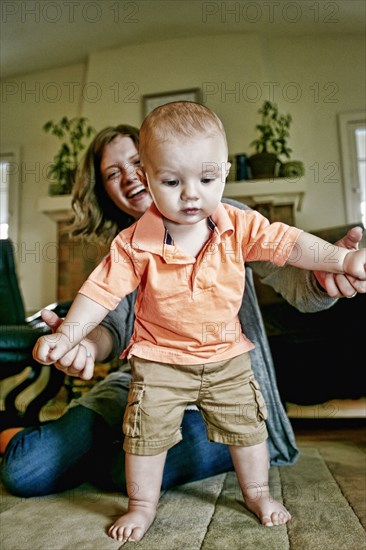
<point>361,164</point>
<point>9,194</point>
<point>352,130</point>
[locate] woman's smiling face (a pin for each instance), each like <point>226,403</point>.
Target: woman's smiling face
<point>118,166</point>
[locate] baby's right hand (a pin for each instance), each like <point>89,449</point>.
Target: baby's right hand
<point>51,348</point>
<point>79,361</point>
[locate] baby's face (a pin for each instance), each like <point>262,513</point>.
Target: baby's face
<point>186,177</point>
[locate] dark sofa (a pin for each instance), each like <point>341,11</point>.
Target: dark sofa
<point>317,356</point>
<point>18,335</point>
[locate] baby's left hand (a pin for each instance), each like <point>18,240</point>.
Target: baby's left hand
<point>338,285</point>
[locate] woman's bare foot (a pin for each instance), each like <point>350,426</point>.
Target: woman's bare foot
<point>133,525</point>
<point>269,512</point>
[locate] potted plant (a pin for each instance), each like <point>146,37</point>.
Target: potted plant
<point>271,143</point>
<point>72,133</point>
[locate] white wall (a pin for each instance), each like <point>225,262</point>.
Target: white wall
<point>329,73</point>
<point>27,103</point>
<point>313,78</point>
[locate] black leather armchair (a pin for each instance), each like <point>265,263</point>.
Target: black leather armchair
<point>319,356</point>
<point>18,335</point>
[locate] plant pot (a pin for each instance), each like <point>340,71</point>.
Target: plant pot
<point>292,169</point>
<point>56,188</point>
<point>64,186</point>
<point>264,165</point>
<point>69,180</point>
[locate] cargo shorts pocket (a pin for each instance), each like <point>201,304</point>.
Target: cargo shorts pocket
<point>262,412</point>
<point>132,417</point>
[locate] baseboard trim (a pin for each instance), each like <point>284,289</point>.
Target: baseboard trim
<point>326,423</point>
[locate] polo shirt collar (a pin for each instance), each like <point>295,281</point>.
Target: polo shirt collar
<point>222,220</point>
<point>151,235</point>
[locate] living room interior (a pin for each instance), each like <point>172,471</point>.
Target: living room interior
<point>103,60</point>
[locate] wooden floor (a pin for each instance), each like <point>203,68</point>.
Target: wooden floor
<point>352,431</point>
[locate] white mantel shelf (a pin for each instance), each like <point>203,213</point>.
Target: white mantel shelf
<point>277,191</point>
<point>58,208</point>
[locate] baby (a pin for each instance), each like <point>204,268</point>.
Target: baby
<point>186,254</point>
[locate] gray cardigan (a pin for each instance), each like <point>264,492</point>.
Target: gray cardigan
<point>298,287</point>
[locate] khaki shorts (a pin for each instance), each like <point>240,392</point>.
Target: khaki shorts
<point>226,393</point>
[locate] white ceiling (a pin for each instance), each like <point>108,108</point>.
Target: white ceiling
<point>41,34</point>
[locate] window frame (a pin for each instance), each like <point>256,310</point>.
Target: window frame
<point>12,154</point>
<point>347,123</point>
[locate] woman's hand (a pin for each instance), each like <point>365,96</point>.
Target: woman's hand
<point>337,285</point>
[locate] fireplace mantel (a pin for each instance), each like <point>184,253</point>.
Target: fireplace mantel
<point>277,197</point>
<point>58,208</point>
<point>276,191</point>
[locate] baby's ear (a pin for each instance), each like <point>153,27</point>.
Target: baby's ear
<point>227,169</point>
<point>141,175</point>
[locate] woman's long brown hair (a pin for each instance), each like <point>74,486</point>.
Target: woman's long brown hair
<point>96,215</point>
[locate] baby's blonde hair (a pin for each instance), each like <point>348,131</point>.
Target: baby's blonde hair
<point>179,118</point>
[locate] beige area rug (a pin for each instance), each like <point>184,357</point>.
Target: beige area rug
<point>324,491</point>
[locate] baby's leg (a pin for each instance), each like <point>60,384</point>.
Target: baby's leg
<point>251,466</point>
<point>143,478</point>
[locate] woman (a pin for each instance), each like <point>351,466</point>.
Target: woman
<point>85,443</point>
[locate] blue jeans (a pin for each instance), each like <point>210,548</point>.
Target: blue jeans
<point>80,446</point>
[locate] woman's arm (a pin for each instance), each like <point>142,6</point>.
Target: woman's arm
<point>298,287</point>
<point>302,288</point>
<point>306,290</point>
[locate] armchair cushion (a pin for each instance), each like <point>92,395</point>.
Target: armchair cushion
<point>12,307</point>
<point>17,338</point>
<point>318,356</point>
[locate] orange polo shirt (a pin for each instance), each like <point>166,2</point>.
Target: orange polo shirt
<point>187,308</point>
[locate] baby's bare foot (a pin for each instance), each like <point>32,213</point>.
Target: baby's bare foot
<point>132,526</point>
<point>269,511</point>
